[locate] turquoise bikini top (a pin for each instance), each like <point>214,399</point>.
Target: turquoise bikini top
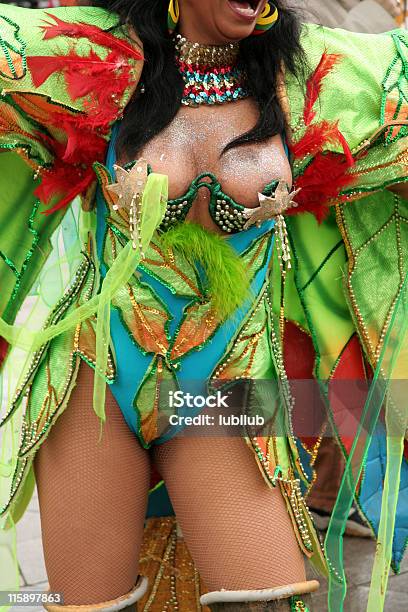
<point>228,214</point>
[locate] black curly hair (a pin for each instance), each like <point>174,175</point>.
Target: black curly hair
<point>261,57</point>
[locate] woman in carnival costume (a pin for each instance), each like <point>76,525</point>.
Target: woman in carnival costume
<point>198,191</point>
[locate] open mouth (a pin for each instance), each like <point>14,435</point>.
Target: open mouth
<point>247,9</point>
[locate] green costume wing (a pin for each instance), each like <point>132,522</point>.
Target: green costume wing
<point>65,78</point>
<point>348,145</point>
<point>348,138</point>
<point>56,110</point>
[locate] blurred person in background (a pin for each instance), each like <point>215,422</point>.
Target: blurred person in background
<point>373,16</point>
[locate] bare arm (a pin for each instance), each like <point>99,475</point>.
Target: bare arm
<point>401,189</point>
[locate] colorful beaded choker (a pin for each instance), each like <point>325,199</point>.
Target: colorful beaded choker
<point>210,73</point>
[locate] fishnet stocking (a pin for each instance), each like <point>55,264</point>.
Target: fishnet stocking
<point>92,500</point>
<point>237,529</point>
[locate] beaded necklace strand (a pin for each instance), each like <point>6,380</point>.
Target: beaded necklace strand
<point>211,73</point>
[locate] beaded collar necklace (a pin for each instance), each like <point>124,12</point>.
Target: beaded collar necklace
<point>210,72</point>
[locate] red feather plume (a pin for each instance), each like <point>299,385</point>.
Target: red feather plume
<point>101,76</point>
<point>75,68</point>
<point>317,137</point>
<point>4,346</point>
<point>328,172</point>
<point>103,80</point>
<point>315,83</point>
<point>65,180</point>
<point>42,67</point>
<point>81,147</point>
<point>91,32</point>
<point>72,172</point>
<point>321,183</point>
<point>78,140</point>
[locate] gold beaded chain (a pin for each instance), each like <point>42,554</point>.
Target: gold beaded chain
<point>206,55</point>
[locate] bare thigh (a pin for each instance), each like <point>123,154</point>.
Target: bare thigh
<point>237,528</point>
<point>93,498</point>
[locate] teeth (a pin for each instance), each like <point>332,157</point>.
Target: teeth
<point>244,8</point>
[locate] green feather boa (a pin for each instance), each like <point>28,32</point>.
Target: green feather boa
<point>227,276</point>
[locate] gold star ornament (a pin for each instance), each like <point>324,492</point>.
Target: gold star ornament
<point>128,183</point>
<point>270,207</point>
<point>274,207</point>
<point>128,190</point>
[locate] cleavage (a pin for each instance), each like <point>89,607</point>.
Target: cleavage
<point>193,143</point>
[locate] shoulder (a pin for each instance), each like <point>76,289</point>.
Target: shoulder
<point>71,32</point>
<point>66,76</point>
<point>347,114</point>
<point>353,77</point>
<point>352,45</point>
<point>26,21</point>
<point>68,56</point>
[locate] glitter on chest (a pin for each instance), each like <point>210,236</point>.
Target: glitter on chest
<point>193,144</point>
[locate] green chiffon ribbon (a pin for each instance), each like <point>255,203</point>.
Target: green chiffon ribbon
<point>380,388</point>
<point>154,201</point>
<point>396,426</point>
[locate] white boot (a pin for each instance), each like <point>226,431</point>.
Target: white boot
<point>114,605</point>
<point>288,598</point>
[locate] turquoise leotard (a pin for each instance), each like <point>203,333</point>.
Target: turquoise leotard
<point>132,364</point>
